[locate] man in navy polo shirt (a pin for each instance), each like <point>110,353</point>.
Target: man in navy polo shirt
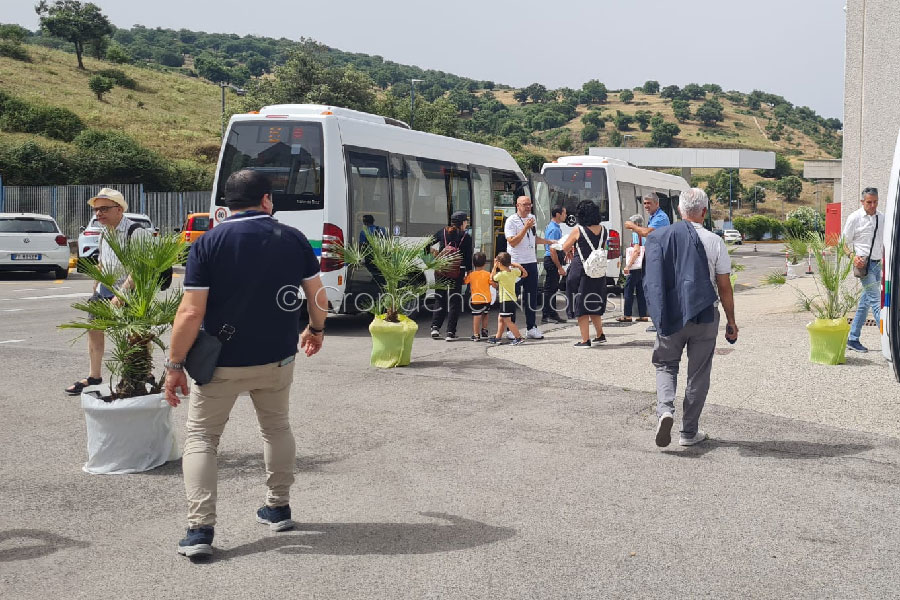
<point>242,278</point>
<point>657,218</point>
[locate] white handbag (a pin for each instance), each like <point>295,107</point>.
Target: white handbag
<point>639,261</point>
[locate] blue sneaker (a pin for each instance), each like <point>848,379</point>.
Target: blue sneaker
<point>855,345</point>
<point>197,542</point>
<point>278,518</point>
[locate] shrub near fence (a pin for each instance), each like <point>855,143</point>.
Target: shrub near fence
<point>68,204</point>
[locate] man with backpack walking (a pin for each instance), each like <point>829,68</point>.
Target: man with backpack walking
<point>109,206</point>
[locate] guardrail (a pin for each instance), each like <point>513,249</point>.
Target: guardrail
<point>68,204</point>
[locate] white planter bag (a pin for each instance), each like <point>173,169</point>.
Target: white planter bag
<point>130,435</point>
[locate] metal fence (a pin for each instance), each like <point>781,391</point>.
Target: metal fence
<point>68,204</point>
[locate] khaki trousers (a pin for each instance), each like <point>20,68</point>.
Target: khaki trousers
<point>208,411</point>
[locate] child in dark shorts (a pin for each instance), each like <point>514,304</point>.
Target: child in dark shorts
<point>479,282</point>
<point>505,273</point>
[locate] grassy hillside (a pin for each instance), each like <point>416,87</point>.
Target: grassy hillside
<point>177,116</point>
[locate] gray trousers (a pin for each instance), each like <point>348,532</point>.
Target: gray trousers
<point>700,340</point>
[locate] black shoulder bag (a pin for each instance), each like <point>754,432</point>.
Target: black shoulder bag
<point>203,357</point>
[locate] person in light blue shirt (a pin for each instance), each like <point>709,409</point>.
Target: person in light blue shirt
<point>657,218</point>
<point>553,265</point>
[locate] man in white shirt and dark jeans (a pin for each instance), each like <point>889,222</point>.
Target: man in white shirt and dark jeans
<point>521,239</point>
<point>864,238</point>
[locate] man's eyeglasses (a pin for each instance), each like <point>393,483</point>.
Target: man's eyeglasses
<point>102,210</point>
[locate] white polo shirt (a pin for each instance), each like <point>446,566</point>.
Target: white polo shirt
<point>716,253</point>
<point>525,252</point>
<point>859,231</point>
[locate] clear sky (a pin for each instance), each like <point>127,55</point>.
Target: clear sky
<point>794,48</point>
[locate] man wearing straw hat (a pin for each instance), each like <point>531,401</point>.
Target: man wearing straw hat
<point>109,207</point>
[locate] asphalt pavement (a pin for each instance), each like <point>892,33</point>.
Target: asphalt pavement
<point>511,472</point>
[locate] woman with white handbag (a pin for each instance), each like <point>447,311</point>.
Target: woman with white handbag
<point>634,282</point>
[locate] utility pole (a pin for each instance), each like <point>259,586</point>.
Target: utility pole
<point>730,198</point>
<point>222,85</point>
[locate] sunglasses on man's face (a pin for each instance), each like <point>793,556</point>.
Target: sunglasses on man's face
<point>102,210</point>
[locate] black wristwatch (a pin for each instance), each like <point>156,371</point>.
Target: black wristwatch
<point>316,331</point>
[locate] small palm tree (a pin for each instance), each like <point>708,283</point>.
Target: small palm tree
<point>141,317</point>
<point>834,296</point>
<point>402,264</point>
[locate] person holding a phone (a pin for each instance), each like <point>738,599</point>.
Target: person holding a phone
<point>686,316</point>
<point>522,239</point>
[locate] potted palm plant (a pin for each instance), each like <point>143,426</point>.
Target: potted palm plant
<point>401,266</point>
<point>129,427</point>
<point>833,298</point>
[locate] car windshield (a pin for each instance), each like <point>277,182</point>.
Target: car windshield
<point>27,225</point>
<point>200,224</point>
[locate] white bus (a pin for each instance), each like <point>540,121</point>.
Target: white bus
<point>890,327</point>
<point>329,166</point>
<point>615,185</point>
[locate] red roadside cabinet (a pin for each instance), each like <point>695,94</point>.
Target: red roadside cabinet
<point>832,223</point>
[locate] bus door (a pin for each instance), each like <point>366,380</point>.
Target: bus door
<point>369,193</point>
<point>540,206</point>
<point>482,222</point>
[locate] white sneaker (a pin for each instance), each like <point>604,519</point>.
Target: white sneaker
<point>698,437</point>
<point>534,333</point>
<point>510,336</point>
<point>664,430</point>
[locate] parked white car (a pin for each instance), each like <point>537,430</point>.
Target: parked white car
<point>733,235</point>
<point>89,239</point>
<point>32,242</point>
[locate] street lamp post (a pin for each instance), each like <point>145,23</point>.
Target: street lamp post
<point>730,198</point>
<point>222,85</point>
<point>412,101</point>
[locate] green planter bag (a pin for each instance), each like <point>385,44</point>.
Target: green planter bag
<point>392,342</point>
<point>828,341</point>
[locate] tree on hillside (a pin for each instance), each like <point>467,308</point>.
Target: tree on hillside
<point>663,135</point>
<point>616,139</point>
<point>789,188</point>
<point>521,96</point>
<point>118,54</point>
<point>651,87</point>
<point>643,119</point>
<point>594,118</point>
<point>623,121</point>
<point>671,92</point>
<point>712,88</point>
<point>626,96</point>
<point>100,85</point>
<point>724,184</point>
<point>539,94</point>
<point>693,91</point>
<point>590,133</point>
<point>305,78</point>
<point>74,22</point>
<point>595,91</point>
<point>710,112</point>
<point>681,109</point>
<point>782,168</point>
<point>210,67</point>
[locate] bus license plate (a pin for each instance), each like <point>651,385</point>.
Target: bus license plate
<point>26,257</point>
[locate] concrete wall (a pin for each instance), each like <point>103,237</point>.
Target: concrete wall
<point>871,97</point>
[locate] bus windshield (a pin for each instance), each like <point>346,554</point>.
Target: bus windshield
<point>289,153</point>
<point>570,185</point>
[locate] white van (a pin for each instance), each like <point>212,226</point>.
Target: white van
<point>615,185</point>
<point>890,330</point>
